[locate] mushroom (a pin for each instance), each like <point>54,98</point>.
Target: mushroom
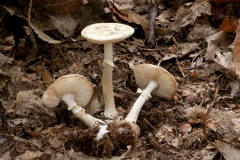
<point>107,34</point>
<point>76,91</point>
<point>153,80</point>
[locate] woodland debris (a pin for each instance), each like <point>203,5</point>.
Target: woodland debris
<point>235,54</point>
<point>153,12</point>
<point>228,151</point>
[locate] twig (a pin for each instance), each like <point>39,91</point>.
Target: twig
<point>149,123</point>
<point>199,54</point>
<point>180,68</point>
<point>208,112</point>
<point>151,34</point>
<point>195,67</point>
<point>31,35</point>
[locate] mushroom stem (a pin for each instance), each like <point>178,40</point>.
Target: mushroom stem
<point>145,95</point>
<point>69,100</point>
<point>87,119</point>
<point>110,109</point>
<point>90,121</point>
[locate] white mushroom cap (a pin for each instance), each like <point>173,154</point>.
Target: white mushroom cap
<point>101,33</point>
<point>167,86</point>
<point>74,84</point>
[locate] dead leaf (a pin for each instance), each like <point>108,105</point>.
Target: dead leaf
<point>4,59</point>
<point>208,154</point>
<point>228,151</point>
<point>58,135</point>
<point>60,7</point>
<point>165,16</point>
<point>219,51</point>
<point>65,24</point>
<point>184,18</point>
<point>34,133</point>
<point>185,128</point>
<point>200,31</point>
<point>19,121</point>
<point>236,51</point>
<point>235,87</point>
<point>71,154</point>
<point>46,76</point>
<point>86,44</point>
<point>29,102</point>
<point>124,4</point>
<point>229,24</point>
<point>167,132</point>
<point>30,155</point>
<point>129,16</point>
<point>39,32</point>
<point>43,35</point>
<point>225,124</point>
<point>182,50</point>
<point>7,43</point>
<point>186,48</point>
<point>223,1</point>
<point>236,122</point>
<point>95,106</point>
<point>192,140</point>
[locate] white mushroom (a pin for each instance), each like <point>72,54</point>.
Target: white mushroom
<point>76,91</point>
<point>107,34</point>
<point>153,80</point>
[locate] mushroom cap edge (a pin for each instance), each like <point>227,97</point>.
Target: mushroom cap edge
<point>167,84</point>
<point>101,33</point>
<point>76,84</point>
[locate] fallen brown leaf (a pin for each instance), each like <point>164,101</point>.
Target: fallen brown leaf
<point>185,17</point>
<point>60,7</point>
<point>223,1</point>
<point>228,151</point>
<point>129,16</point>
<point>236,51</point>
<point>46,76</point>
<point>229,24</point>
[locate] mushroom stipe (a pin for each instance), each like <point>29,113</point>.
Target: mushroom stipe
<point>152,80</point>
<point>107,34</point>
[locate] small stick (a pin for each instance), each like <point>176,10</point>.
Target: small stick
<point>180,68</point>
<point>195,67</point>
<point>208,112</point>
<point>31,35</point>
<point>151,33</point>
<point>149,124</point>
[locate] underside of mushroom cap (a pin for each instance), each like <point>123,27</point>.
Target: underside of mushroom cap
<point>101,33</point>
<point>167,86</point>
<point>75,84</point>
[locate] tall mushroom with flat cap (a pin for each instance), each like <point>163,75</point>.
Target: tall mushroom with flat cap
<point>76,91</point>
<point>153,80</point>
<point>107,34</point>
